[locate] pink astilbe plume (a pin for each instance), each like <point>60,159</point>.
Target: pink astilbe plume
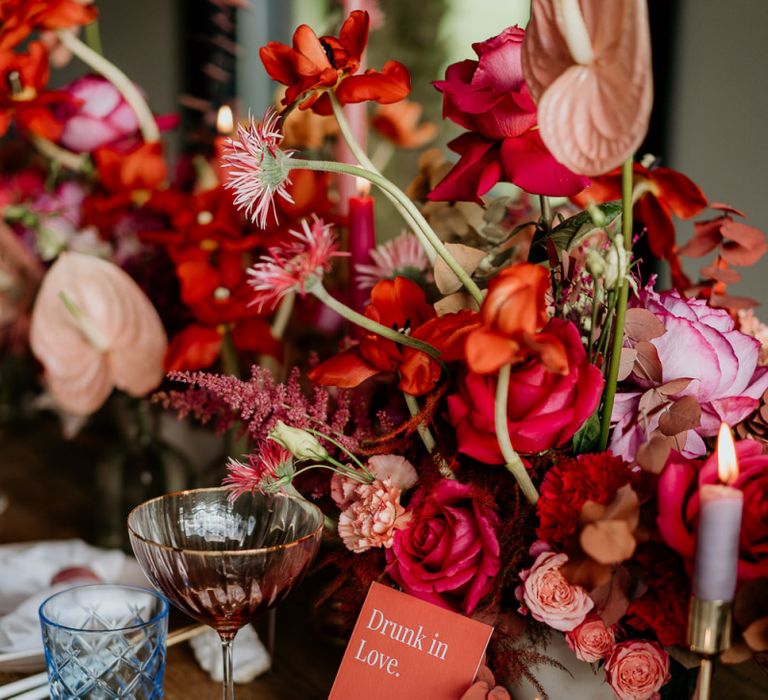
<point>258,167</point>
<point>263,470</point>
<point>296,262</point>
<point>259,402</point>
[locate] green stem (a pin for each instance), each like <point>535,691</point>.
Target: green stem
<point>283,315</point>
<point>354,317</point>
<point>348,474</point>
<point>72,161</point>
<point>511,458</point>
<point>546,212</point>
<point>366,162</point>
<point>341,447</point>
<point>621,306</point>
<point>426,435</point>
<point>593,320</point>
<point>120,80</point>
<point>387,186</point>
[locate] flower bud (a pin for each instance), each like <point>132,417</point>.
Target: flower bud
<point>300,443</point>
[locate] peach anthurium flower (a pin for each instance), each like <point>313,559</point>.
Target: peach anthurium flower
<point>587,64</point>
<point>93,329</point>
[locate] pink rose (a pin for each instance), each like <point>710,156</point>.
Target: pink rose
<point>449,553</point>
<point>678,505</point>
<point>701,344</point>
<point>636,670</point>
<point>102,117</point>
<point>591,641</point>
<point>490,99</point>
<point>550,598</point>
<point>544,410</point>
<point>373,515</point>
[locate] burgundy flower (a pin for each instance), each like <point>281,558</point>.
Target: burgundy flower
<point>544,410</point>
<point>449,553</point>
<point>489,98</point>
<point>678,502</point>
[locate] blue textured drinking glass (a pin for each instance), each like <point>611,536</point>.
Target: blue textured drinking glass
<point>105,641</point>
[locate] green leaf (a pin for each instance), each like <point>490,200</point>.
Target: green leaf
<point>588,436</point>
<point>571,232</point>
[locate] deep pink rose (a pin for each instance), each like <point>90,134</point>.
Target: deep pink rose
<point>548,596</point>
<point>702,344</point>
<point>490,99</point>
<point>449,553</point>
<point>544,410</point>
<point>636,670</point>
<point>102,117</point>
<point>678,502</point>
<point>591,641</point>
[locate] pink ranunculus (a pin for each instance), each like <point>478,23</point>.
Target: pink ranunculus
<point>490,99</point>
<point>702,344</point>
<point>548,596</point>
<point>679,502</point>
<point>544,410</point>
<point>102,117</point>
<point>449,553</point>
<point>637,669</point>
<point>372,517</point>
<point>592,640</point>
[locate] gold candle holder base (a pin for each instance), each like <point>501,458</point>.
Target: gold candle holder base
<point>709,635</point>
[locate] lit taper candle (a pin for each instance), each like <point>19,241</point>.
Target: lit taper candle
<point>717,545</point>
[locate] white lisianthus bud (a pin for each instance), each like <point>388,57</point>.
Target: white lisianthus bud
<point>595,263</point>
<point>617,264</point>
<point>300,443</point>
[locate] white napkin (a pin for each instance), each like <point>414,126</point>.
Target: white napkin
<point>26,569</point>
<point>26,573</point>
<point>250,656</point>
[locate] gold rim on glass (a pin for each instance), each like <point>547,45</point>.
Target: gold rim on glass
<point>220,552</point>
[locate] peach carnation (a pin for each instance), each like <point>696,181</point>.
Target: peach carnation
<point>373,515</point>
<point>550,598</point>
<point>591,641</point>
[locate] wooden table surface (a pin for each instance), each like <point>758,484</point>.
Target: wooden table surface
<point>50,486</point>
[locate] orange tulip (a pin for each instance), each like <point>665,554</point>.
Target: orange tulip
<point>513,315</point>
<point>93,329</point>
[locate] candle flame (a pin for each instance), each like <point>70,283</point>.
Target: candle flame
<point>363,186</point>
<point>225,120</point>
<point>727,465</point>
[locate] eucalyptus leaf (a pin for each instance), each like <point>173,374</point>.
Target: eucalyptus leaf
<point>573,231</point>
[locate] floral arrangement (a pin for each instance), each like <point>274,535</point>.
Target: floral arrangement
<point>515,423</point>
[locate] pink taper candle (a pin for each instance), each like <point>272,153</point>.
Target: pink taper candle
<point>717,545</point>
<point>362,238</point>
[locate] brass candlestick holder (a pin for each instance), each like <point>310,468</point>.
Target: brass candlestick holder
<point>709,635</point>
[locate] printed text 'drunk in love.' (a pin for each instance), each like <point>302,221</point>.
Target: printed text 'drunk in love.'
<point>411,637</point>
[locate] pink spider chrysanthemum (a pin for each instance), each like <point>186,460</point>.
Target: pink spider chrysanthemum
<point>295,264</point>
<point>401,257</point>
<point>264,472</point>
<point>258,168</point>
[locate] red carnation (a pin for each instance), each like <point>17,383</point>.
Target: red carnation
<point>569,485</point>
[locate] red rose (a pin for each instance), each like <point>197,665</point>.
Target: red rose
<point>544,410</point>
<point>490,99</point>
<point>449,553</point>
<point>678,495</point>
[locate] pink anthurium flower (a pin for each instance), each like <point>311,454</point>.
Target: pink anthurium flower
<point>93,329</point>
<point>587,64</point>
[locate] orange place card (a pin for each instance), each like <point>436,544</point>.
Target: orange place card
<point>405,649</point>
